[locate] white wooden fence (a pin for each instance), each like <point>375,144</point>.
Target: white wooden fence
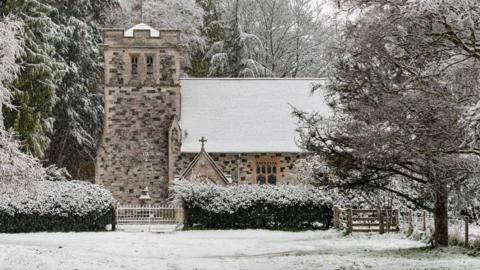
<point>150,214</point>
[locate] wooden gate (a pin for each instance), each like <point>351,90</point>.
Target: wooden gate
<point>366,220</point>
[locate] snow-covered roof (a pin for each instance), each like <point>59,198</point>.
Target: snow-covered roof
<point>142,26</point>
<point>245,115</point>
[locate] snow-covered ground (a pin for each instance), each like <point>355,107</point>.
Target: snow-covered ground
<point>247,249</point>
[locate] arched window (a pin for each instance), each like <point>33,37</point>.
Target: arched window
<point>150,67</point>
<point>272,179</point>
<point>266,171</point>
<point>134,66</point>
<point>261,179</point>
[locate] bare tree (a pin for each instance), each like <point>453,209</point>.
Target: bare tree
<point>293,35</point>
<point>185,15</point>
<point>405,76</point>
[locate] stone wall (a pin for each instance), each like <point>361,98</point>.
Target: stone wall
<point>241,167</point>
<point>134,152</point>
<point>139,111</point>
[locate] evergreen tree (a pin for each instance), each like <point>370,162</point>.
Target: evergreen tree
<point>233,42</point>
<point>34,90</point>
<point>78,113</point>
<point>236,54</point>
<point>55,114</point>
<point>10,49</point>
<point>401,97</point>
<point>213,30</point>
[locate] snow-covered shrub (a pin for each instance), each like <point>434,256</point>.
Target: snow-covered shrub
<point>56,206</point>
<point>255,206</point>
<point>305,169</point>
<point>17,169</point>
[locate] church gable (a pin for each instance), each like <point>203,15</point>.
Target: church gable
<point>204,169</point>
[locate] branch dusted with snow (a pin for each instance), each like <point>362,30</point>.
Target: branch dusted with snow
<point>17,169</point>
<point>10,49</point>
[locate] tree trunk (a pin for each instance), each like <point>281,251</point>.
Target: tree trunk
<point>440,215</point>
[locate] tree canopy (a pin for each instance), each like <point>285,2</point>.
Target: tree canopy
<point>401,97</point>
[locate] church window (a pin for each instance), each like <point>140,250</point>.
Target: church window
<point>134,60</point>
<point>261,179</point>
<point>272,179</point>
<point>150,67</point>
<point>266,171</point>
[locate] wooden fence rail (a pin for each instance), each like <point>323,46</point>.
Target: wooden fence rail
<point>388,220</point>
<point>423,221</point>
<point>366,220</point>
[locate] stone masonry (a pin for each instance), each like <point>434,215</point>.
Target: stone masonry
<point>241,167</point>
<point>142,99</point>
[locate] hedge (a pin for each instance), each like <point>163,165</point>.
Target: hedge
<point>56,206</point>
<point>256,207</point>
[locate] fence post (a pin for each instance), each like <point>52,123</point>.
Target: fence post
<point>388,216</point>
<point>380,220</point>
<point>149,217</point>
<point>397,219</point>
<point>114,218</point>
<point>336,220</point>
<point>466,230</point>
<point>349,221</point>
<point>424,221</point>
<point>410,220</point>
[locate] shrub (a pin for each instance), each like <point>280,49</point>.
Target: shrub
<point>252,206</point>
<point>56,206</point>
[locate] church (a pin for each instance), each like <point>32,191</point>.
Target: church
<point>160,128</point>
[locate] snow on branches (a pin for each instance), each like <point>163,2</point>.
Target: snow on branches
<point>10,49</point>
<point>186,16</point>
<point>17,169</point>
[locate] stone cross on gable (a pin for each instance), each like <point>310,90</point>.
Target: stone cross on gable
<point>203,141</point>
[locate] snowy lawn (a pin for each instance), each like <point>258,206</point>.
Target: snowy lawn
<point>246,249</point>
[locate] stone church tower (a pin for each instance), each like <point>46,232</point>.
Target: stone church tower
<point>142,105</point>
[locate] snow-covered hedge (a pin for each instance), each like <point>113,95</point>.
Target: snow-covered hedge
<point>253,206</point>
<point>56,206</point>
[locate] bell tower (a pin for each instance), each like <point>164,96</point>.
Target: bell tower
<point>142,98</point>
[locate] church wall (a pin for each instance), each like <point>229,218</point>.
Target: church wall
<point>139,111</point>
<point>241,167</point>
<point>134,151</point>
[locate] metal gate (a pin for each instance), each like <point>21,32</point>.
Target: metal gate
<point>148,215</point>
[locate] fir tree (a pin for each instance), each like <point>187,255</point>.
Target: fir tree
<point>34,90</point>
<point>235,55</point>
<point>78,113</point>
<point>213,30</point>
